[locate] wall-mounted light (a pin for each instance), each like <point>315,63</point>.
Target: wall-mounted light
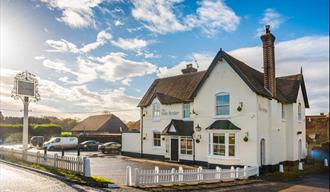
<point>246,137</point>
<point>198,128</point>
<point>197,137</point>
<point>194,112</point>
<point>240,106</point>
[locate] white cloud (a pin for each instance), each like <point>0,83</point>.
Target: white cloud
<point>130,44</point>
<point>75,13</point>
<point>57,65</point>
<point>39,57</point>
<point>62,46</point>
<point>212,16</point>
<point>271,17</point>
<point>310,52</point>
<point>119,23</point>
<point>115,67</point>
<point>65,46</point>
<point>160,16</point>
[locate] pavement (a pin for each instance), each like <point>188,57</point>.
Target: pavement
<point>13,178</point>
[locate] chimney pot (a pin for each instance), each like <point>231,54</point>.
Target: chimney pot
<point>189,69</point>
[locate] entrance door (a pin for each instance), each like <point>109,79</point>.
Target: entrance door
<point>174,150</point>
<point>262,152</point>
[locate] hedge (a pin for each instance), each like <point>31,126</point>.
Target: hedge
<point>47,130</point>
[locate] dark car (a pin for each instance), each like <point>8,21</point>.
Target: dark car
<point>37,141</point>
<point>90,145</point>
<point>110,147</point>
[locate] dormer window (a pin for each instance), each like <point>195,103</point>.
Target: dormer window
<point>156,110</point>
<point>186,110</point>
<point>222,104</point>
<point>299,112</point>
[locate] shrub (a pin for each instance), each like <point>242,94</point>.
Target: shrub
<point>14,138</point>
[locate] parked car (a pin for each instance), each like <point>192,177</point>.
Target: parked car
<point>61,143</point>
<point>110,147</point>
<point>37,141</point>
<point>90,145</point>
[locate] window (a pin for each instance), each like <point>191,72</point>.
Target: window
<point>283,111</point>
<point>299,111</point>
<point>231,144</point>
<point>156,110</point>
<point>156,139</point>
<point>223,144</point>
<point>222,104</point>
<point>186,146</point>
<point>186,110</point>
<point>219,145</point>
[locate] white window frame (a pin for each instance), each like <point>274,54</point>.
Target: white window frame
<point>153,139</point>
<point>216,106</point>
<point>184,110</point>
<point>226,156</point>
<point>283,112</point>
<point>299,112</point>
<point>156,114</point>
<point>186,150</point>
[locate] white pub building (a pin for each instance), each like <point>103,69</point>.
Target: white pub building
<point>230,114</point>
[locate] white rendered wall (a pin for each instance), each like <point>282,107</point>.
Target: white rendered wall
<point>131,142</point>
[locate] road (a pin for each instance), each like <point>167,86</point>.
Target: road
<point>18,179</point>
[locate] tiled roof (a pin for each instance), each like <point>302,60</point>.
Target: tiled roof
<point>182,128</point>
<point>183,88</point>
<point>101,123</point>
<point>223,124</point>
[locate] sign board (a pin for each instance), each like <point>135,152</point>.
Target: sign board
<point>26,88</point>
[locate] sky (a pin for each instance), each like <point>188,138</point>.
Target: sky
<point>92,56</point>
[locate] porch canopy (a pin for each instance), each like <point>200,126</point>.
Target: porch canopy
<point>179,127</point>
<point>223,125</point>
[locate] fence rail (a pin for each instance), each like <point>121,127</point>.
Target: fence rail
<point>75,164</point>
<point>173,176</point>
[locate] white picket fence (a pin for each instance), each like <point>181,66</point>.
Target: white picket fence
<point>75,164</point>
<point>173,176</point>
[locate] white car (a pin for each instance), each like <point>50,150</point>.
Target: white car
<point>61,143</point>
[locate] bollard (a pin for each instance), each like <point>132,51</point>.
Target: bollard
<point>129,176</point>
<point>180,173</point>
<point>326,163</point>
<point>172,174</point>
<point>237,172</point>
<point>281,169</point>
<point>218,169</point>
<point>78,151</point>
<point>156,178</point>
<point>300,166</point>
<point>245,172</point>
<point>62,152</point>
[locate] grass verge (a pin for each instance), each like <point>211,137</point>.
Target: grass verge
<point>94,181</point>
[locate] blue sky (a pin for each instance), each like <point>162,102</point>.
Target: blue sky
<point>96,55</point>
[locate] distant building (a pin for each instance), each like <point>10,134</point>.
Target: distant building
<point>103,128</point>
<point>317,129</point>
<point>133,126</point>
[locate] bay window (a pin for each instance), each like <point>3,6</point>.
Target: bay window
<point>223,144</point>
<point>222,104</point>
<point>186,145</point>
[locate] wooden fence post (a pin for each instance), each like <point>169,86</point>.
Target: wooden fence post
<point>137,177</point>
<point>129,176</point>
<point>245,172</point>
<point>180,173</point>
<point>87,167</point>
<point>218,170</point>
<point>232,172</point>
<point>55,160</point>
<point>237,172</point>
<point>172,174</point>
<point>156,178</point>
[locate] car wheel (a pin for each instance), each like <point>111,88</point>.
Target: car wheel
<point>51,148</point>
<point>103,151</point>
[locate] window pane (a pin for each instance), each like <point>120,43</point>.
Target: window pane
<point>231,150</point>
<point>189,144</point>
<point>222,105</point>
<point>222,139</point>
<point>215,139</point>
<point>156,139</point>
<point>231,138</point>
<point>186,110</point>
<point>216,149</point>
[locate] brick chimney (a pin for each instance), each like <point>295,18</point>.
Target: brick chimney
<point>189,69</point>
<point>269,60</point>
